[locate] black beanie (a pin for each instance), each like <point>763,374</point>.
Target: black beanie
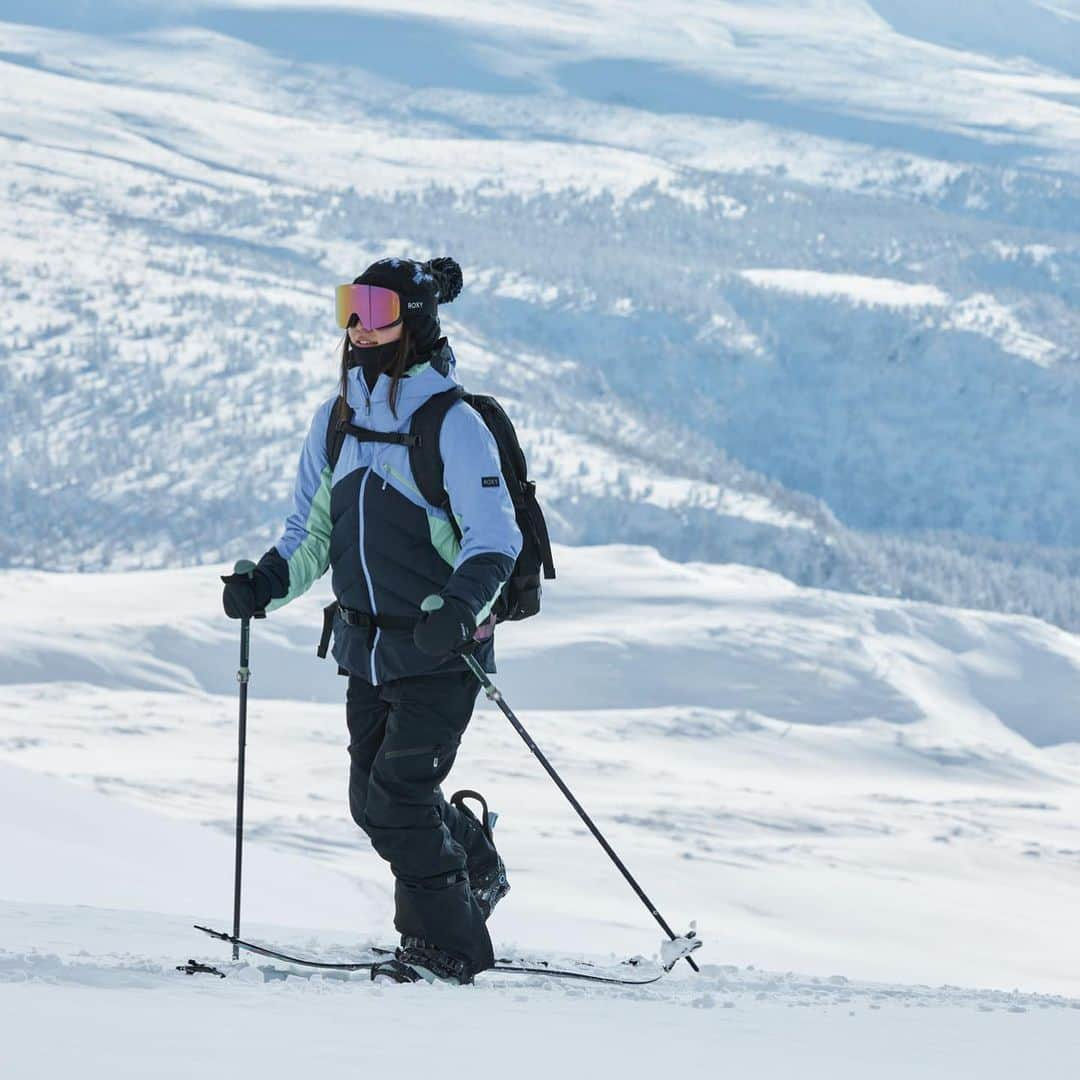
<point>428,284</point>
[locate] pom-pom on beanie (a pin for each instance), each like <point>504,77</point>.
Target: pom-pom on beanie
<point>437,281</point>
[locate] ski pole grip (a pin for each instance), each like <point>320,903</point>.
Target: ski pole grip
<point>247,568</point>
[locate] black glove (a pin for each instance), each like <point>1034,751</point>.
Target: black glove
<point>245,594</point>
<point>446,629</point>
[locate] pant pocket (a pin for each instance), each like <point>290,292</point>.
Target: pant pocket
<point>425,765</point>
<point>431,752</point>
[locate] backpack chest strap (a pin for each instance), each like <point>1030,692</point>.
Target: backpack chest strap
<point>397,438</point>
<point>341,426</point>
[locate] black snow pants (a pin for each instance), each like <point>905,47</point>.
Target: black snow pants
<point>403,737</point>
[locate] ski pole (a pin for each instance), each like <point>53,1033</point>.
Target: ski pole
<point>495,695</point>
<point>247,567</point>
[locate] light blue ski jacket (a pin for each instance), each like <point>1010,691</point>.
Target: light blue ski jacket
<point>388,547</point>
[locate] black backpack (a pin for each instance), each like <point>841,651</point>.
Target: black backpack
<point>520,597</point>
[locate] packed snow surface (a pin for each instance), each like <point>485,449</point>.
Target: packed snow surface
<point>881,796</point>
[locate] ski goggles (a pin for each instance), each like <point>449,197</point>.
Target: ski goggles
<point>374,306</point>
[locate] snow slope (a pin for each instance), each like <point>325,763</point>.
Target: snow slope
<point>67,846</point>
<point>105,979</point>
<point>796,769</point>
<point>867,805</point>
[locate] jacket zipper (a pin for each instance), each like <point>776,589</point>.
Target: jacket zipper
<point>367,393</point>
<point>367,578</point>
<point>391,471</point>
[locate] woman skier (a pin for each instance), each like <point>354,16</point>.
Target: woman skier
<point>410,696</point>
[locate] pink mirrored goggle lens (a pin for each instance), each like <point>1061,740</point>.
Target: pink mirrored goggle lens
<point>374,306</point>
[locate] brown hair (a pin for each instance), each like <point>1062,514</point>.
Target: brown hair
<point>401,361</point>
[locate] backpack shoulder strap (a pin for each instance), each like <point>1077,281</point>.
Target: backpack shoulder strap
<point>424,457</point>
<point>340,415</point>
<point>511,456</point>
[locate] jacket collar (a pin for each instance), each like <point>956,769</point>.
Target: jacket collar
<point>431,374</point>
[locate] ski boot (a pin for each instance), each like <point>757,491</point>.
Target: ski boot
<point>416,961</point>
<point>490,885</point>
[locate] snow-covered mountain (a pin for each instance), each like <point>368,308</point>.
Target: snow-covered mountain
<point>784,284</point>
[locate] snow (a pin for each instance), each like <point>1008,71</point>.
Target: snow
<point>982,314</point>
<point>976,314</point>
<point>907,62</point>
<point>817,263</point>
<point>756,1024</point>
<point>675,949</point>
<point>868,807</point>
<point>63,843</point>
<point>178,202</point>
<point>783,745</point>
<point>859,289</point>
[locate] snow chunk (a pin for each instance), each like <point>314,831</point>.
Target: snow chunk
<point>671,952</point>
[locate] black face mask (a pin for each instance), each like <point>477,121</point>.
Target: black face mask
<point>374,359</point>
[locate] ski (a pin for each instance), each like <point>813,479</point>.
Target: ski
<point>507,966</point>
<point>274,954</point>
<point>511,967</point>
